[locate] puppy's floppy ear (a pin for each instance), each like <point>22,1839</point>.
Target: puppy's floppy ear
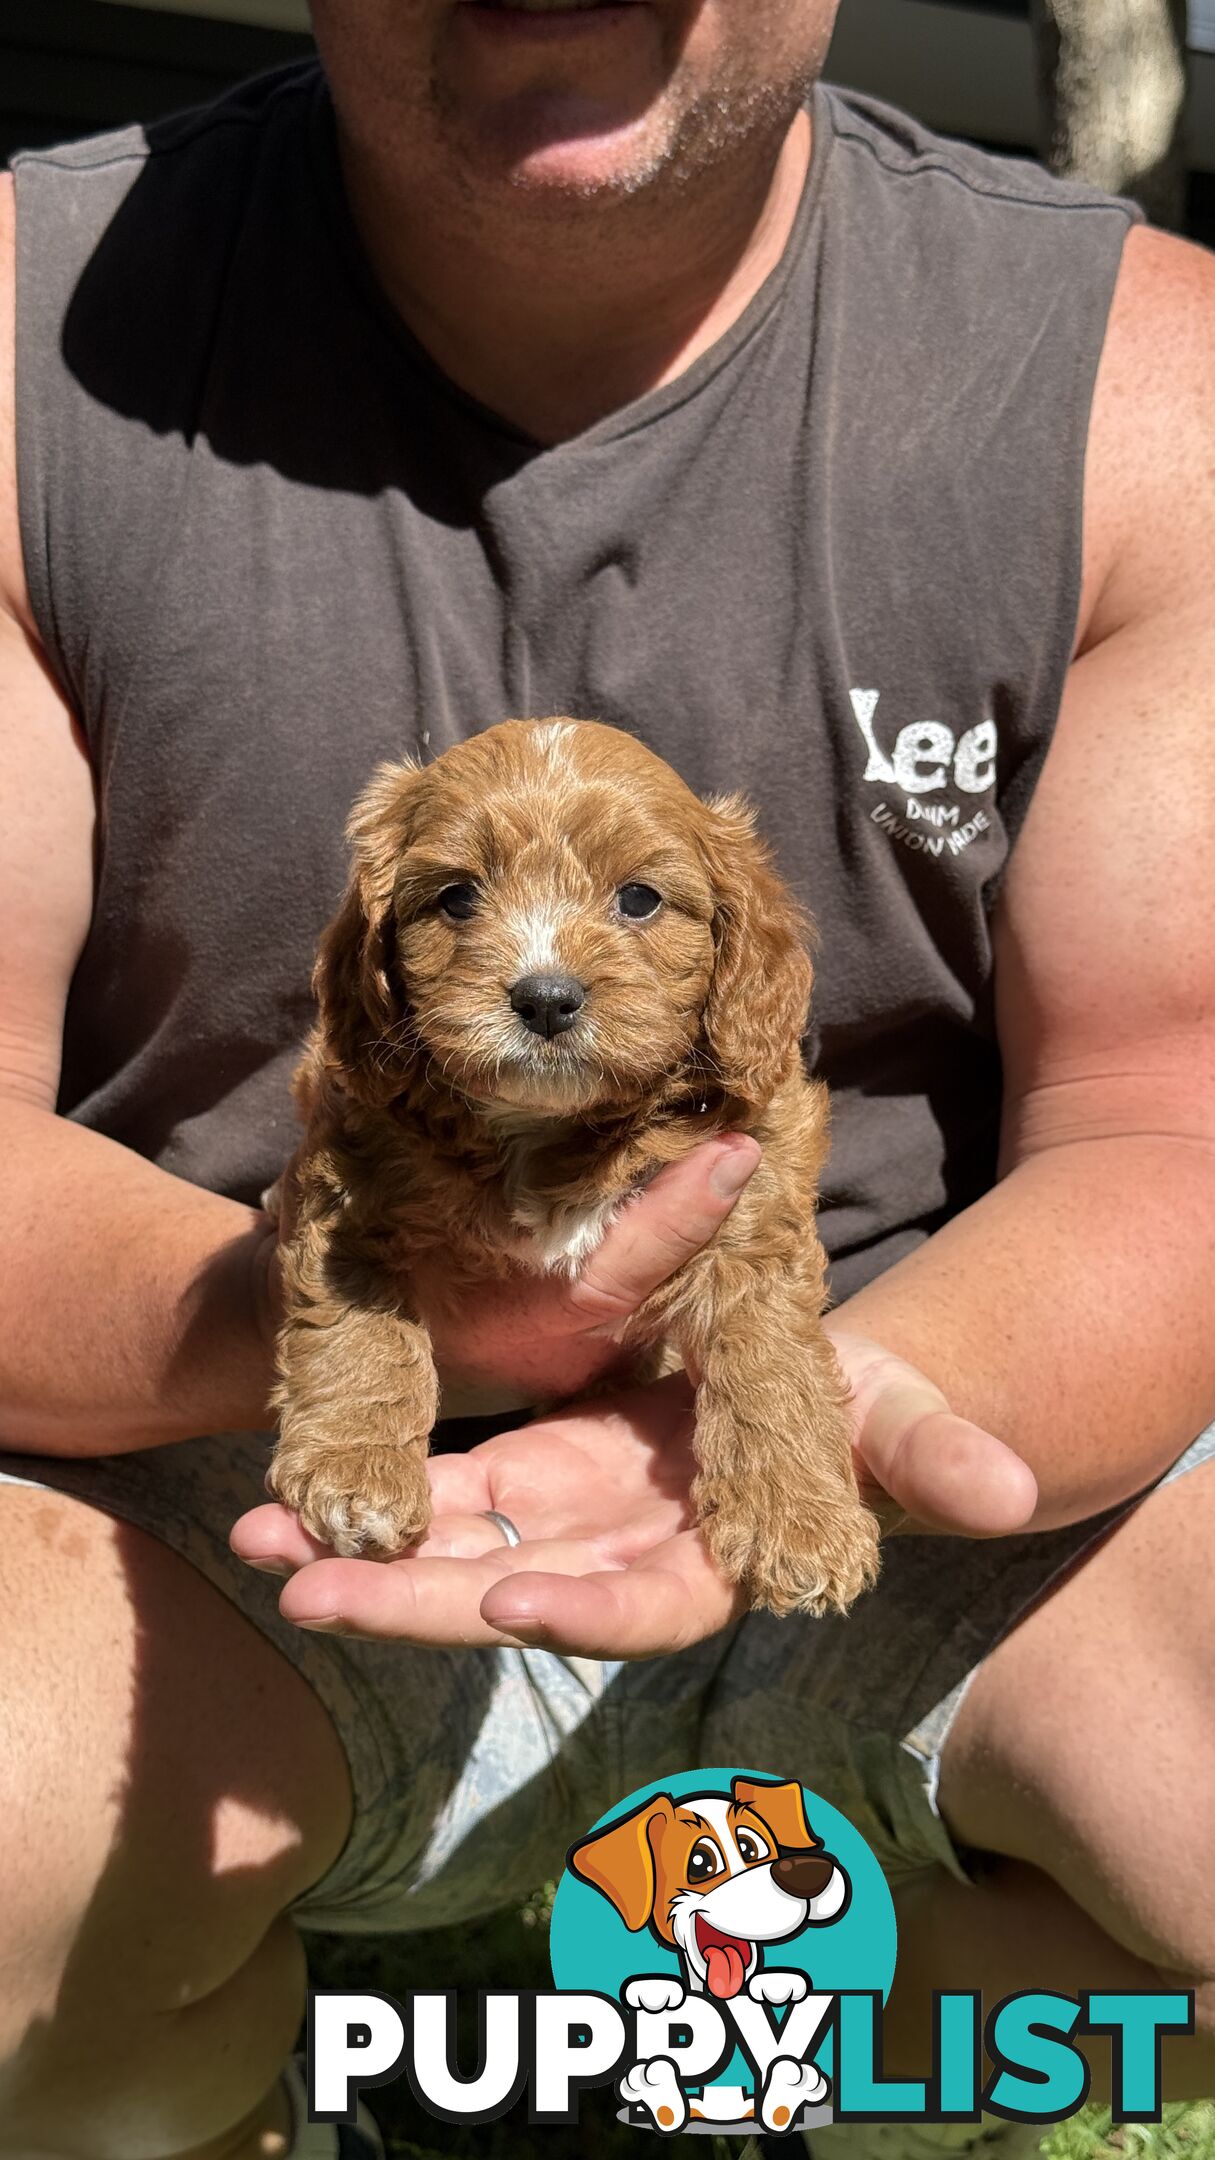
<point>782,1807</point>
<point>362,1001</point>
<point>620,1860</point>
<point>756,1008</point>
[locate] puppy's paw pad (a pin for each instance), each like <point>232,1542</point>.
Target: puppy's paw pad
<point>823,1567</point>
<point>826,1577</point>
<point>848,1555</point>
<point>363,1502</point>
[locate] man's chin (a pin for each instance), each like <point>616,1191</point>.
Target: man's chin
<point>610,161</point>
<point>555,172</point>
<point>603,130</point>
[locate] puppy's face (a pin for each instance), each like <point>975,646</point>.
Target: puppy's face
<point>717,1876</point>
<point>547,921</point>
<point>554,921</point>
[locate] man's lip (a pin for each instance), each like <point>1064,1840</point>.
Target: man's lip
<point>506,21</point>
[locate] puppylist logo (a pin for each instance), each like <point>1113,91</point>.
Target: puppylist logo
<point>722,1944</point>
<point>727,1912</point>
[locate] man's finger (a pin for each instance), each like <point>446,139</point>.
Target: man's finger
<point>667,1602</point>
<point>461,1537</point>
<point>951,1476</point>
<point>272,1538</point>
<point>671,1220</point>
<point>416,1599</point>
<point>458,1483</point>
<point>945,1474</point>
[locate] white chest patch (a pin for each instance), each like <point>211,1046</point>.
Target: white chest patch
<point>552,1239</point>
<point>559,1243</point>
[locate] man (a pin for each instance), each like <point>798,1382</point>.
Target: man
<point>588,362</point>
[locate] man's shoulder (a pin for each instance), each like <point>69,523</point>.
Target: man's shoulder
<point>161,197</point>
<point>13,597</point>
<point>1149,504</point>
<point>900,147</point>
<point>240,113</point>
<point>1149,510</point>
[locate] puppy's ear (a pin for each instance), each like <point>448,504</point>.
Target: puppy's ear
<point>363,1004</point>
<point>782,1807</point>
<point>756,1008</point>
<point>620,1861</point>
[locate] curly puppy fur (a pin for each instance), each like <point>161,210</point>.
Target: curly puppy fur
<point>452,1140</point>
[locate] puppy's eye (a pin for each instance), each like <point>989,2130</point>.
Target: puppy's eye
<point>751,1847</point>
<point>638,901</point>
<point>703,1861</point>
<point>458,902</point>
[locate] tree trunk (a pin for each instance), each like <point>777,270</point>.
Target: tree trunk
<point>1112,79</point>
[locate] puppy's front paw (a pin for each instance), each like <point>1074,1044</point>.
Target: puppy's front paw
<point>778,1986</point>
<point>808,1547</point>
<point>365,1500</point>
<point>654,1992</point>
<point>788,2087</point>
<point>655,2087</point>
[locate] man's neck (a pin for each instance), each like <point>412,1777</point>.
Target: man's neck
<point>553,323</point>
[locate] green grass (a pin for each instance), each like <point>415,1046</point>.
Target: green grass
<point>1187,2133</point>
<point>510,1950</point>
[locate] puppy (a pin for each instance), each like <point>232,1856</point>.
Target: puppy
<point>721,1879</point>
<point>554,970</point>
<point>716,1877</point>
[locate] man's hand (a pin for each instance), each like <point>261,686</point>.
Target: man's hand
<point>611,1564</point>
<point>534,1338</point>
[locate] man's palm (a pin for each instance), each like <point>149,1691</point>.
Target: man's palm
<point>611,1564</point>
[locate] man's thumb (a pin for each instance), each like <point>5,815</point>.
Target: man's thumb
<point>665,1225</point>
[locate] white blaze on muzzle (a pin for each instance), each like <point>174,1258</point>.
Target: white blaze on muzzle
<point>755,1907</point>
<point>534,936</point>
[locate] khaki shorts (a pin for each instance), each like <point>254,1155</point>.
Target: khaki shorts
<point>474,1770</point>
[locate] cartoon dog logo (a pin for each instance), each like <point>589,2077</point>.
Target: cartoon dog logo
<point>716,1877</point>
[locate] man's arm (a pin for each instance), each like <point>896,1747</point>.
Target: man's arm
<point>138,1308</point>
<point>1069,1309</point>
<point>129,1297</point>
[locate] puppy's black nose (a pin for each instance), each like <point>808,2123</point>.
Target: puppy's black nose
<point>803,1874</point>
<point>548,1004</point>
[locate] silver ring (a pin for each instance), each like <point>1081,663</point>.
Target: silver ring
<point>504,1524</point>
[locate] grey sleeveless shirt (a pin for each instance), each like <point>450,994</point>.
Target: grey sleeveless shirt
<point>835,565</point>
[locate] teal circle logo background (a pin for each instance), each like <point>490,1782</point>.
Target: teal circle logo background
<point>591,1948</point>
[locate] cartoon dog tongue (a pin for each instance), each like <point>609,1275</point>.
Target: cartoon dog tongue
<point>725,1966</point>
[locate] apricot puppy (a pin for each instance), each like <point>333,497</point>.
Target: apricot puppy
<point>553,971</point>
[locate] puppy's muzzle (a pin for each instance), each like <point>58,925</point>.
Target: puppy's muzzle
<point>548,1004</point>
